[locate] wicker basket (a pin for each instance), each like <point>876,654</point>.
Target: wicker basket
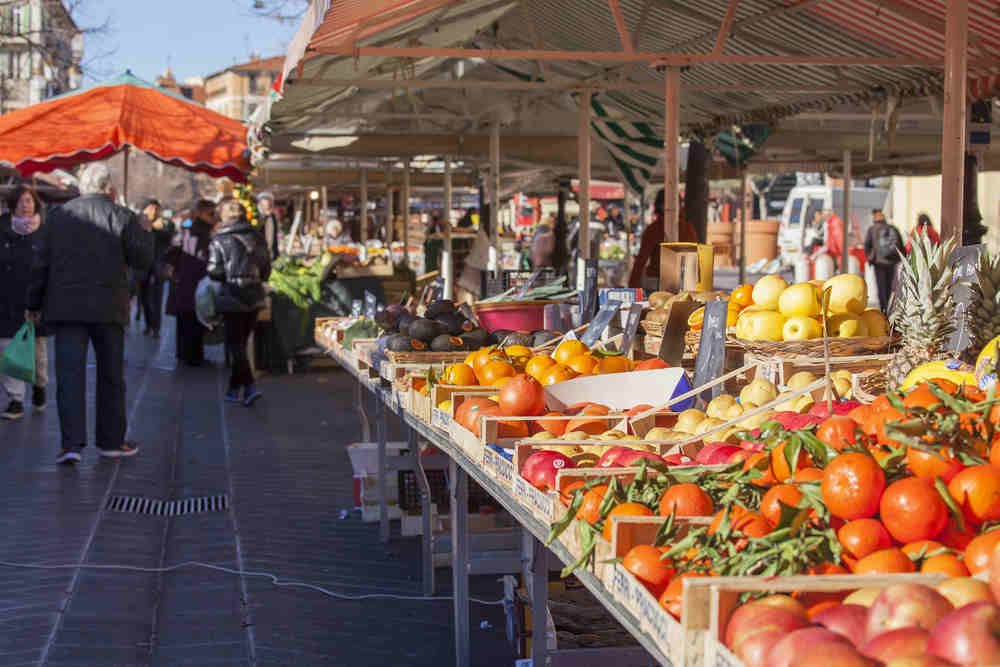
<point>839,347</point>
<point>652,328</point>
<point>868,386</point>
<point>426,357</point>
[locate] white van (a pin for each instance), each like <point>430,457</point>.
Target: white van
<point>805,200</point>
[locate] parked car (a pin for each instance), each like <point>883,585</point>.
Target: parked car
<point>805,201</point>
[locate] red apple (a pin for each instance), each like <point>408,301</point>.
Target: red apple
<point>801,641</point>
<point>752,618</point>
<point>739,457</point>
<point>898,643</point>
<point>631,458</point>
<point>541,473</point>
<point>785,602</point>
<point>832,654</point>
<point>705,452</point>
<point>961,591</point>
<point>906,605</point>
<point>716,453</point>
<point>609,459</point>
<point>678,460</point>
<point>847,620</point>
<point>755,650</point>
<point>968,636</point>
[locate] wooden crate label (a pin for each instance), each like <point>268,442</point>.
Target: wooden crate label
<point>386,370</point>
<point>501,466</point>
<point>541,502</point>
<point>621,583</point>
<point>440,419</point>
<point>521,487</point>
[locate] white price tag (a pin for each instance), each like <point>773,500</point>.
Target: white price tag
<point>440,419</point>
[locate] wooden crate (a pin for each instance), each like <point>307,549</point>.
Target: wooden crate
<point>426,358</point>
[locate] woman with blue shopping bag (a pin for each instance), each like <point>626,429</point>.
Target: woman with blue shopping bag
<point>18,235</point>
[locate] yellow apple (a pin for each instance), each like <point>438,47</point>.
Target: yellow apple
<point>849,293</point>
<point>688,420</point>
<point>628,437</point>
<point>804,403</point>
<point>718,406</point>
<point>768,290</point>
<point>818,284</point>
<point>843,373</point>
<point>876,322</point>
<point>732,412</point>
<point>758,392</point>
<point>566,450</point>
<point>800,379</point>
<point>846,325</point>
<point>801,327</point>
<point>799,299</point>
<point>660,433</point>
<point>753,422</point>
<point>763,325</point>
<point>543,435</point>
<point>612,435</point>
<point>708,425</point>
<point>843,387</point>
<point>787,406</point>
<point>577,435</point>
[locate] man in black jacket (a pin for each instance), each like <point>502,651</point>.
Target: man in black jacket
<point>189,259</point>
<point>79,279</point>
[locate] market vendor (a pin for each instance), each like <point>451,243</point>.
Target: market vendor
<point>646,270</point>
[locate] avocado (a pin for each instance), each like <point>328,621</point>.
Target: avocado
<point>403,323</point>
<point>501,334</point>
<point>446,343</point>
<point>451,323</point>
<point>542,336</point>
<point>399,343</point>
<point>518,338</point>
<point>386,319</point>
<point>475,339</point>
<point>440,307</point>
<point>424,329</point>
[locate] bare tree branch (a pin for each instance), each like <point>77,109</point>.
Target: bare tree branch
<point>283,11</point>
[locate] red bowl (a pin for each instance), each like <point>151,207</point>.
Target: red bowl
<point>512,315</point>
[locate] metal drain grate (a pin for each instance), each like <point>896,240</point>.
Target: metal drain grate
<point>201,505</point>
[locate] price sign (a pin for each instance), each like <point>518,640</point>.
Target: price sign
<point>357,308</point>
<point>600,323</point>
<point>711,359</point>
<point>963,261</point>
<point>371,305</point>
<point>469,315</point>
<point>588,295</point>
<point>672,345</point>
<point>631,327</point>
<point>528,284</point>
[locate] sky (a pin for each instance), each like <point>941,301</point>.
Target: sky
<point>196,37</point>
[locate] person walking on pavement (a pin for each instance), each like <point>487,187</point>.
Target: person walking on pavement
<point>151,291</point>
<point>239,258</point>
<point>268,222</point>
<point>646,269</point>
<point>79,281</point>
<point>19,237</point>
<point>189,259</point>
<point>883,248</point>
<point>924,226</point>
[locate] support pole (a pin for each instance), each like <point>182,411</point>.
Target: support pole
<point>364,205</point>
<point>324,205</point>
<point>427,539</point>
<point>460,561</point>
<point>383,494</point>
<point>404,205</point>
<point>847,211</point>
<point>390,215</point>
<point>743,225</point>
<point>953,129</point>
<point>583,196</point>
<point>536,566</point>
<point>448,259</point>
<point>627,219</point>
<point>495,195</point>
<point>671,168</point>
<point>125,176</point>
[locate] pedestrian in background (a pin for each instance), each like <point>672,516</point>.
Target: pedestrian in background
<point>238,257</point>
<point>268,222</point>
<point>79,282</point>
<point>924,226</point>
<point>19,236</point>
<point>883,248</point>
<point>646,269</point>
<point>152,287</point>
<point>188,259</point>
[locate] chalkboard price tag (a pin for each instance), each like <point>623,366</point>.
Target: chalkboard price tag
<point>588,296</point>
<point>631,327</point>
<point>371,305</point>
<point>672,345</point>
<point>469,315</point>
<point>357,308</point>
<point>964,261</point>
<point>600,323</point>
<point>711,359</point>
<point>529,283</point>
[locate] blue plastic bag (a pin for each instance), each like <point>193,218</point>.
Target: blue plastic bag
<point>18,358</point>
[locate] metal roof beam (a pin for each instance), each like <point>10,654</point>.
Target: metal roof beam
<point>745,23</point>
<point>726,27</point>
<point>924,20</point>
<point>616,12</point>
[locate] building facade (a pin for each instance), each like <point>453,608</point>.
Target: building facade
<point>40,51</point>
<point>237,91</point>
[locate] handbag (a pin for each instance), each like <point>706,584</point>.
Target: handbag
<point>18,358</point>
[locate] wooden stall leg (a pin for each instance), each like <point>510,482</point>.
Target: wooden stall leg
<point>427,540</point>
<point>536,574</point>
<point>366,426</point>
<point>383,507</point>
<point>460,561</point>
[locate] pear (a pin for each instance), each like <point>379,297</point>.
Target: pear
<point>719,406</point>
<point>800,379</point>
<point>688,420</point>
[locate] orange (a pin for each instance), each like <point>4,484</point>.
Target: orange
<point>776,496</point>
<point>495,370</point>
<point>884,561</point>
<point>482,357</point>
<point>615,364</point>
<point>643,561</point>
<point>979,550</point>
<point>590,507</point>
<point>502,381</point>
<point>624,509</point>
<point>568,349</point>
<point>558,373</point>
<point>515,351</point>
<point>537,366</point>
<point>582,364</point>
<point>653,364</point>
<point>460,375</point>
<point>946,564</point>
<point>742,295</point>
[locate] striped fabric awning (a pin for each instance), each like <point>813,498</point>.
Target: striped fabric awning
<point>636,148</point>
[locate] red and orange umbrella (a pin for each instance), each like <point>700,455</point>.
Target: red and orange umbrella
<point>96,123</point>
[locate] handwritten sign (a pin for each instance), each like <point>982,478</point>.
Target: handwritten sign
<point>963,261</point>
<point>466,311</point>
<point>672,345</point>
<point>631,327</point>
<point>357,308</point>
<point>440,419</point>
<point>371,305</point>
<point>600,323</point>
<point>711,361</point>
<point>588,294</point>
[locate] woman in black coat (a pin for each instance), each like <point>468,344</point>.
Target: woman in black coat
<point>189,259</point>
<point>17,247</point>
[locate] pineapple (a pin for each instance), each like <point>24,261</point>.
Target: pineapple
<point>922,310</point>
<point>984,306</point>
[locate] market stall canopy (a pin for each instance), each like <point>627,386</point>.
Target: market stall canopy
<point>96,123</point>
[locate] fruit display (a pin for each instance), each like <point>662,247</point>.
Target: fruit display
<point>441,328</point>
<point>660,303</point>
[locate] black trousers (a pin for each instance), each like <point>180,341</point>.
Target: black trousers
<point>884,275</point>
<point>239,326</point>
<point>190,339</point>
<point>152,300</point>
<point>72,342</point>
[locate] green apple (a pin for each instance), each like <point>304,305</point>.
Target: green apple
<point>849,294</point>
<point>768,290</point>
<point>799,299</point>
<point>763,325</point>
<point>846,325</point>
<point>876,322</point>
<point>801,327</point>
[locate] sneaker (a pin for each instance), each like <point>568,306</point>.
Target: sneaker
<point>15,410</point>
<point>69,456</point>
<point>38,399</point>
<point>233,396</point>
<point>124,451</point>
<point>251,395</point>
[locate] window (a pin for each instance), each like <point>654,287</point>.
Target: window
<point>795,214</point>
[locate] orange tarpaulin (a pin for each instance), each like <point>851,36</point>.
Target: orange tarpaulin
<point>96,123</point>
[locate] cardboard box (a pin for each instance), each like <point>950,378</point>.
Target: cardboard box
<point>686,267</point>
